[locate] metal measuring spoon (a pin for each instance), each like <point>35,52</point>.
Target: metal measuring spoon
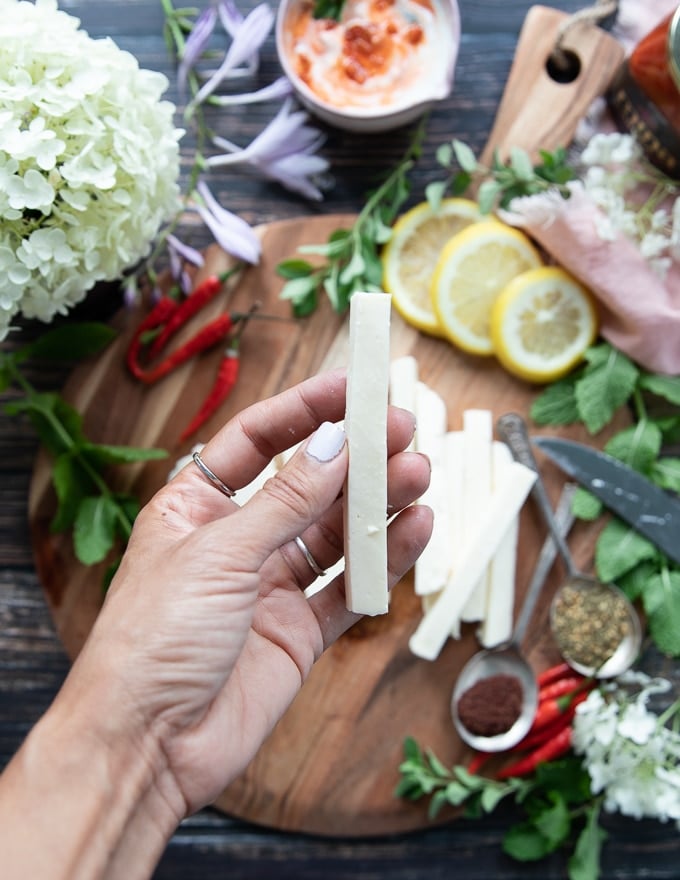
<point>581,596</point>
<point>507,658</point>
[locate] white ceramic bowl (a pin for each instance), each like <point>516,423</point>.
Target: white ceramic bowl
<point>436,85</point>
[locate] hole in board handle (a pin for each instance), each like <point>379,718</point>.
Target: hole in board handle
<point>563,65</point>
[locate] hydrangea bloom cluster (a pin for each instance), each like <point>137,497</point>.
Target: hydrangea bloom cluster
<point>634,199</point>
<point>632,757</point>
<point>89,160</point>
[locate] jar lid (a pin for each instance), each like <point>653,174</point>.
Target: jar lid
<point>674,47</point>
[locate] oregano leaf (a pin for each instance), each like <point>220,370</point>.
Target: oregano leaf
<point>101,454</point>
<point>434,194</point>
<point>71,484</point>
<point>464,156</point>
<point>293,268</point>
<point>95,528</point>
<point>619,548</point>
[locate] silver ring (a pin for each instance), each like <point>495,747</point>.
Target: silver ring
<point>214,479</point>
<point>313,564</point>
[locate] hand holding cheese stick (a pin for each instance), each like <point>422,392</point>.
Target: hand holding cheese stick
<point>204,639</point>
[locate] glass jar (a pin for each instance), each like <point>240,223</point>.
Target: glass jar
<point>645,94</point>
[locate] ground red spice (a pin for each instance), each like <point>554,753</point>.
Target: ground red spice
<point>492,705</point>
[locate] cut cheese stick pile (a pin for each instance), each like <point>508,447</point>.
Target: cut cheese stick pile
<point>467,571</point>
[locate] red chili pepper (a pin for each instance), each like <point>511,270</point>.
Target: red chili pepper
<point>561,687</point>
<point>555,748</point>
<point>477,761</point>
<point>186,309</point>
<point>548,731</point>
<point>206,337</point>
<point>225,380</point>
<point>549,710</point>
<point>158,315</point>
<point>554,673</point>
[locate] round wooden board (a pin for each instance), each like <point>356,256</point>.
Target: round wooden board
<point>331,765</point>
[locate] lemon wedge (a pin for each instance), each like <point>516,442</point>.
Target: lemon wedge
<point>542,323</point>
<point>472,269</point>
<point>409,257</point>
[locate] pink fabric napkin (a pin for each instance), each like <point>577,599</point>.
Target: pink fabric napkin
<point>640,311</point>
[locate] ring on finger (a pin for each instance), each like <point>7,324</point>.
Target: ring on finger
<point>313,564</point>
<point>212,476</point>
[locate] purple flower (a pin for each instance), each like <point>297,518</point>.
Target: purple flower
<point>230,16</point>
<point>247,39</point>
<point>180,253</point>
<point>231,232</point>
<point>283,151</point>
<point>196,44</point>
<point>280,88</point>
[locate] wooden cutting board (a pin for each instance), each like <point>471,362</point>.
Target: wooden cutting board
<point>330,766</point>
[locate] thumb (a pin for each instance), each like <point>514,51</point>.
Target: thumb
<point>291,500</point>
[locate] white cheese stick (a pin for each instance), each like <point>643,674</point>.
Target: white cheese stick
<point>477,439</point>
<point>455,464</point>
<point>403,383</point>
<point>496,625</point>
<point>504,505</point>
<point>432,566</point>
<point>365,508</point>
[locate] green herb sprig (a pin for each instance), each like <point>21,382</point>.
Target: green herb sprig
<point>328,9</point>
<point>593,395</point>
<point>503,181</point>
<point>556,801</point>
<point>97,515</point>
<point>352,255</point>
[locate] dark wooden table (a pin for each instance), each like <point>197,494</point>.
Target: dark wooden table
<point>32,661</point>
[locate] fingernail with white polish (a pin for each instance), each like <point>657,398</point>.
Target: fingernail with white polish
<point>326,442</point>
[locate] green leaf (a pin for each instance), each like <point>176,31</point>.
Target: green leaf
<point>637,446</point>
<point>101,454</point>
<point>566,775</point>
<point>71,484</point>
<point>434,193</point>
<point>585,505</point>
<point>666,473</point>
<point>439,799</point>
<point>521,163</point>
<point>72,341</point>
<point>436,765</point>
<point>444,154</point>
<point>584,864</point>
<point>491,796</point>
<point>464,156</point>
<point>298,289</point>
<point>525,843</point>
<point>634,582</point>
<point>328,9</point>
<point>412,750</point>
<point>556,405</point>
<point>619,549</point>
<point>667,387</point>
<point>661,599</point>
<point>553,820</point>
<point>460,183</point>
<point>294,269</point>
<point>95,528</point>
<point>57,424</point>
<point>605,385</point>
<point>487,194</point>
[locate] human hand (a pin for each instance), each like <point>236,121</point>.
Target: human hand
<point>206,635</point>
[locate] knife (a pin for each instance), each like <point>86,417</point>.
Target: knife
<point>648,509</point>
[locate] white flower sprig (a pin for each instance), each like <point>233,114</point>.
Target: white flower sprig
<point>631,754</point>
<point>89,161</point>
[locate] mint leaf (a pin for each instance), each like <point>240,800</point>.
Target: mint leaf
<point>293,268</point>
<point>553,820</point>
<point>464,156</point>
<point>556,405</point>
<point>566,775</point>
<point>661,600</point>
<point>619,548</point>
<point>638,446</point>
<point>634,582</point>
<point>58,425</point>
<point>95,528</point>
<point>585,505</point>
<point>666,473</point>
<point>72,341</point>
<point>667,387</point>
<point>434,194</point>
<point>605,385</point>
<point>584,864</point>
<point>525,843</point>
<point>101,454</point>
<point>72,484</point>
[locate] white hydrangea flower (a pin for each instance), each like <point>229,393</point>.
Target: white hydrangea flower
<point>89,160</point>
<point>631,756</point>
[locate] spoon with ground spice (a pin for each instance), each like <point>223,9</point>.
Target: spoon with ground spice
<point>495,698</point>
<point>596,628</point>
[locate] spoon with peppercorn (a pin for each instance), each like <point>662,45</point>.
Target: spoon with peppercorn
<point>596,628</point>
<point>496,695</point>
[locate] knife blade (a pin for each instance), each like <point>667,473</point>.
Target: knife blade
<point>647,508</point>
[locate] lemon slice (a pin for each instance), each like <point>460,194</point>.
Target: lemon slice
<point>542,323</point>
<point>411,253</point>
<point>473,268</point>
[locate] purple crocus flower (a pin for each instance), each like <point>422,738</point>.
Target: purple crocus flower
<point>283,151</point>
<point>280,88</point>
<point>231,232</point>
<point>196,44</point>
<point>230,16</point>
<point>246,42</point>
<point>180,253</point>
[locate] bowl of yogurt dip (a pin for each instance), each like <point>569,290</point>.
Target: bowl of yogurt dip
<point>383,64</point>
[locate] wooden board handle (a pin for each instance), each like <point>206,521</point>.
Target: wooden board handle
<point>536,111</point>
